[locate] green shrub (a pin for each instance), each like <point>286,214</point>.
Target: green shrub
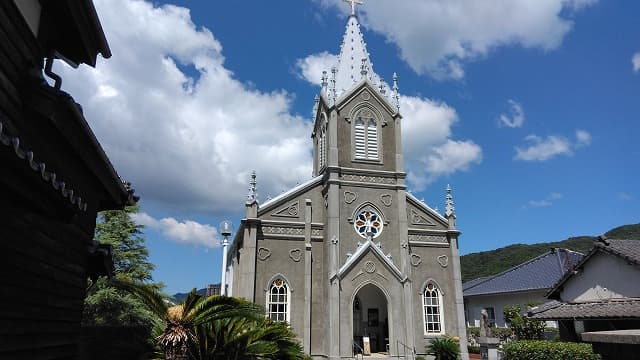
<point>473,349</point>
<point>547,350</point>
<point>523,328</point>
<point>444,348</point>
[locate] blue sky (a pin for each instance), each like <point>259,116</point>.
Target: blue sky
<point>529,110</point>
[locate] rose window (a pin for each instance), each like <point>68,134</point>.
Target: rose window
<point>368,222</point>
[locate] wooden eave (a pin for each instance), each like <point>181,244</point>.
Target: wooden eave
<point>73,29</point>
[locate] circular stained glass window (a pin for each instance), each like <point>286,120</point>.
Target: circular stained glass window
<point>368,222</point>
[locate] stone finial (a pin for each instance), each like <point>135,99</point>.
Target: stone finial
<point>316,102</point>
<point>449,209</point>
<point>253,193</point>
<point>396,95</point>
<point>324,80</point>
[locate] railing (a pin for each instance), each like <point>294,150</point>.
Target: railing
<point>355,354</point>
<point>412,352</point>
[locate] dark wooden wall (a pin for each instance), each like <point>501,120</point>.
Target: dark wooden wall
<point>44,236</point>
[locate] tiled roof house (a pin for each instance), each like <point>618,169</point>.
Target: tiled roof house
<point>521,285</point>
<point>599,301</point>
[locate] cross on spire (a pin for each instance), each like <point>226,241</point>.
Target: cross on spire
<point>353,5</point>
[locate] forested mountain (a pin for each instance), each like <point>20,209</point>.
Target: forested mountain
<point>492,262</point>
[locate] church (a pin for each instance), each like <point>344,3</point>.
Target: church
<point>351,259</point>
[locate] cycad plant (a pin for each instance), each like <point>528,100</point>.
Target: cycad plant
<point>444,348</point>
<point>216,327</point>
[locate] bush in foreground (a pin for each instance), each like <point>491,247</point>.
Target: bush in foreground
<point>547,350</point>
<point>444,348</point>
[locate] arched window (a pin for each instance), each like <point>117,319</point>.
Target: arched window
<point>365,136</point>
<point>432,308</point>
<point>278,300</point>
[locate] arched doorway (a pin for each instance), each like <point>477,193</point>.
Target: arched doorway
<point>371,318</point>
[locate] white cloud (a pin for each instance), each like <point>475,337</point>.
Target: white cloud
<point>548,201</point>
<point>439,36</point>
<point>542,149</point>
<point>635,60</point>
<point>540,203</point>
<point>583,138</point>
<point>186,232</point>
<point>429,150</point>
<point>515,118</point>
<point>175,121</point>
<point>311,67</point>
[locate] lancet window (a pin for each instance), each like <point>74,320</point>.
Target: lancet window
<point>432,309</point>
<point>278,300</point>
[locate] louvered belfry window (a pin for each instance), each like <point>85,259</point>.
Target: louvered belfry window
<point>365,136</point>
<point>323,146</point>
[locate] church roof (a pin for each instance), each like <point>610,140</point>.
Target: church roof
<point>353,65</point>
<point>540,273</point>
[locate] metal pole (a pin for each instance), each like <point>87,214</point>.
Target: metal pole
<point>223,279</point>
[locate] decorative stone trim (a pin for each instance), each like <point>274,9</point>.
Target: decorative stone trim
<point>263,253</point>
<point>289,211</point>
<point>282,230</point>
<point>443,260</point>
<point>369,267</point>
<point>295,254</point>
<point>368,179</point>
<point>415,259</point>
<point>419,219</point>
<point>350,197</point>
<point>386,199</point>
<point>428,238</point>
<point>48,176</point>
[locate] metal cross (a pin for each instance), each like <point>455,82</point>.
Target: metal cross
<point>353,5</point>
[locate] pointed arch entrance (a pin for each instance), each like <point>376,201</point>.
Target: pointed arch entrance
<point>371,318</point>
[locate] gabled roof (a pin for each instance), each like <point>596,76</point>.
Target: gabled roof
<point>363,249</point>
<point>628,250</point>
<point>608,309</point>
<point>289,194</point>
<point>540,273</point>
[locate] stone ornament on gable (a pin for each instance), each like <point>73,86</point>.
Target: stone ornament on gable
<point>295,254</point>
<point>415,259</point>
<point>350,197</point>
<point>290,210</point>
<point>365,95</point>
<point>443,260</point>
<point>419,219</point>
<point>263,253</point>
<point>386,199</point>
<point>369,267</point>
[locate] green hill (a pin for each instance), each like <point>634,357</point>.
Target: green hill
<point>495,261</point>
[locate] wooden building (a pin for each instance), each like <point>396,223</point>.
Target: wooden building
<point>54,178</point>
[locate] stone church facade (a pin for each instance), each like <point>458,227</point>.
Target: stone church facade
<point>350,253</point>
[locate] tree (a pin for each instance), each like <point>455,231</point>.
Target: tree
<point>106,305</point>
<point>130,256</point>
<point>523,328</point>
